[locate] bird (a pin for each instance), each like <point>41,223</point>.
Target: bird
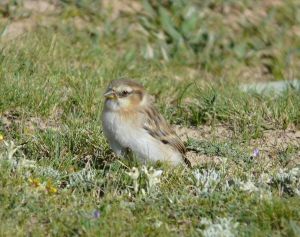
<point>131,122</point>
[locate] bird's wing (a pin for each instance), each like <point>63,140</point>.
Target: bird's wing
<point>155,124</point>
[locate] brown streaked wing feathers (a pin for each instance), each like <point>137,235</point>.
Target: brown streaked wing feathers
<point>157,127</point>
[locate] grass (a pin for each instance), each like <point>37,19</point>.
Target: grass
<point>59,176</point>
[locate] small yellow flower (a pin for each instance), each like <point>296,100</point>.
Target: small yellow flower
<point>35,182</point>
<point>1,137</point>
<point>50,188</point>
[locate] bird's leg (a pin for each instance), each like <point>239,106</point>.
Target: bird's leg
<point>127,152</point>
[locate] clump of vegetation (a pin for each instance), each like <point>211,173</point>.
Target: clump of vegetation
<point>223,33</point>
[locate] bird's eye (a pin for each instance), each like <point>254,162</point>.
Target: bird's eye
<point>124,93</point>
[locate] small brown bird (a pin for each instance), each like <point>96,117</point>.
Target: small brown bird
<point>130,121</point>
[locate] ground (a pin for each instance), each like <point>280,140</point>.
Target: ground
<point>58,176</point>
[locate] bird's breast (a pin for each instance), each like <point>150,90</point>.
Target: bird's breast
<point>120,128</point>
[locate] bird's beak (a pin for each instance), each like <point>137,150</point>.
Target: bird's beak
<point>110,94</point>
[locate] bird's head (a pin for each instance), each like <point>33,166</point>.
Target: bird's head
<point>124,94</point>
